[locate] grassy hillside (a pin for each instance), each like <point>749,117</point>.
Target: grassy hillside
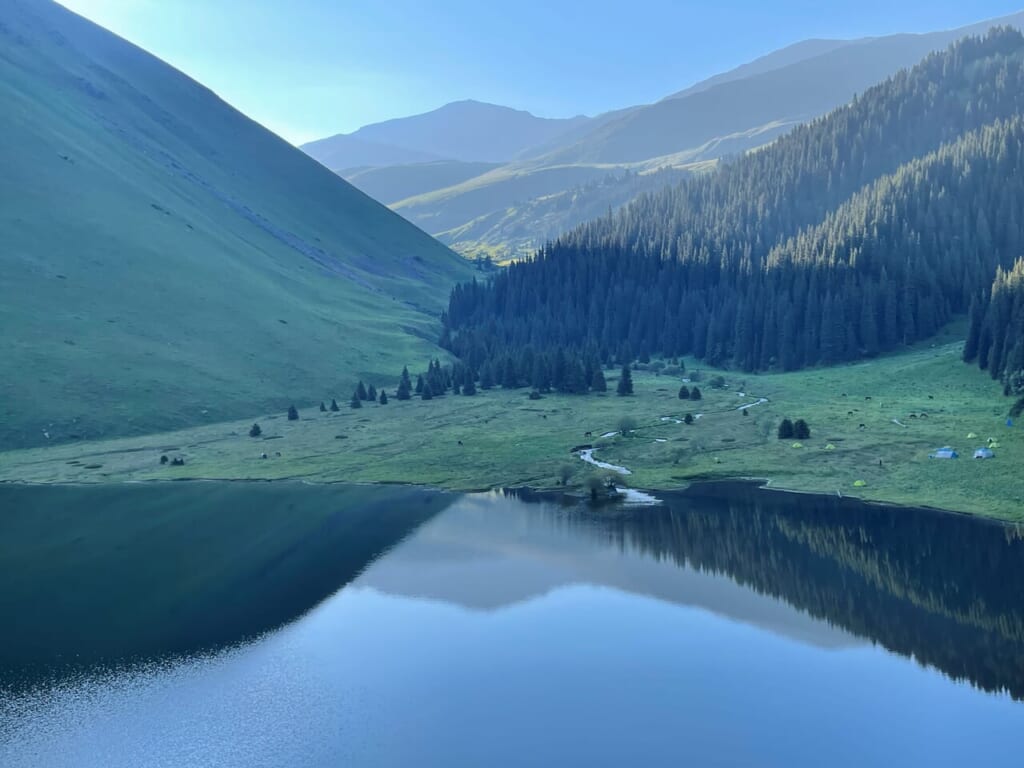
<point>168,262</point>
<point>517,231</point>
<point>510,440</point>
<point>391,184</point>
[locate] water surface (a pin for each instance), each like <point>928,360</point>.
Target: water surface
<point>728,626</point>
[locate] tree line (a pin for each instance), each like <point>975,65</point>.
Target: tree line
<point>995,339</point>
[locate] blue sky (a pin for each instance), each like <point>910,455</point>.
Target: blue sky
<point>311,68</point>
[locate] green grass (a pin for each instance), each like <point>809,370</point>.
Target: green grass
<point>510,440</point>
<point>167,262</point>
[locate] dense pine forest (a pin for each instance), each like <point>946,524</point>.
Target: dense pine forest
<point>996,336</point>
<point>860,232</point>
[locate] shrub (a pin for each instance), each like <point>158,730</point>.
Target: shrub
<point>695,394</point>
<point>717,382</point>
<point>801,430</point>
<point>535,395</point>
<point>565,473</point>
<point>786,430</point>
<point>255,430</point>
<point>684,392</point>
<point>293,413</point>
<point>626,425</point>
<point>688,418</point>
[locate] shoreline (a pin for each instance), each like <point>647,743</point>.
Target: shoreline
<point>562,495</point>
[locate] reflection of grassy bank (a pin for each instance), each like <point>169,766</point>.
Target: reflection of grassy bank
<point>509,440</point>
<point>106,573</point>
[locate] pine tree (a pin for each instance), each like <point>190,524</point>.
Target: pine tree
<point>486,377</point>
<point>334,405</point>
<point>361,392</point>
<point>323,407</point>
<point>684,392</point>
<point>625,382</point>
<point>383,397</point>
<point>403,393</point>
<point>695,394</point>
<point>255,431</point>
<point>420,384</point>
<point>293,414</point>
<point>786,430</point>
<point>598,383</point>
<point>371,393</point>
<point>801,430</point>
<point>356,401</point>
<point>427,393</point>
<point>469,388</point>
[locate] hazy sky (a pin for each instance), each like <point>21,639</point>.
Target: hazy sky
<point>311,68</point>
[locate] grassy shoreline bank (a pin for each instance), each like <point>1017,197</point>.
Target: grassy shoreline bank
<point>501,438</point>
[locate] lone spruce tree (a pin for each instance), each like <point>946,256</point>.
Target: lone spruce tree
<point>625,382</point>
<point>334,405</point>
<point>383,397</point>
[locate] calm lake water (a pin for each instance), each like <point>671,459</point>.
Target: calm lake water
<point>199,624</point>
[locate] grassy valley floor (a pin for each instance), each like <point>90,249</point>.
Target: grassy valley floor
<point>910,404</point>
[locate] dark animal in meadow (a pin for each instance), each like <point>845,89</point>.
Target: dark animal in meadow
<point>588,434</point>
<point>460,442</point>
<point>263,455</point>
<point>164,459</point>
<point>862,426</point>
<point>177,462</point>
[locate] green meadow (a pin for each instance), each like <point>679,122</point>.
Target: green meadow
<point>910,404</point>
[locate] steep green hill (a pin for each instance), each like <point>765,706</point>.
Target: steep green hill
<point>166,261</point>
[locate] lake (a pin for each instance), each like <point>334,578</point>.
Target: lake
<point>284,624</point>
